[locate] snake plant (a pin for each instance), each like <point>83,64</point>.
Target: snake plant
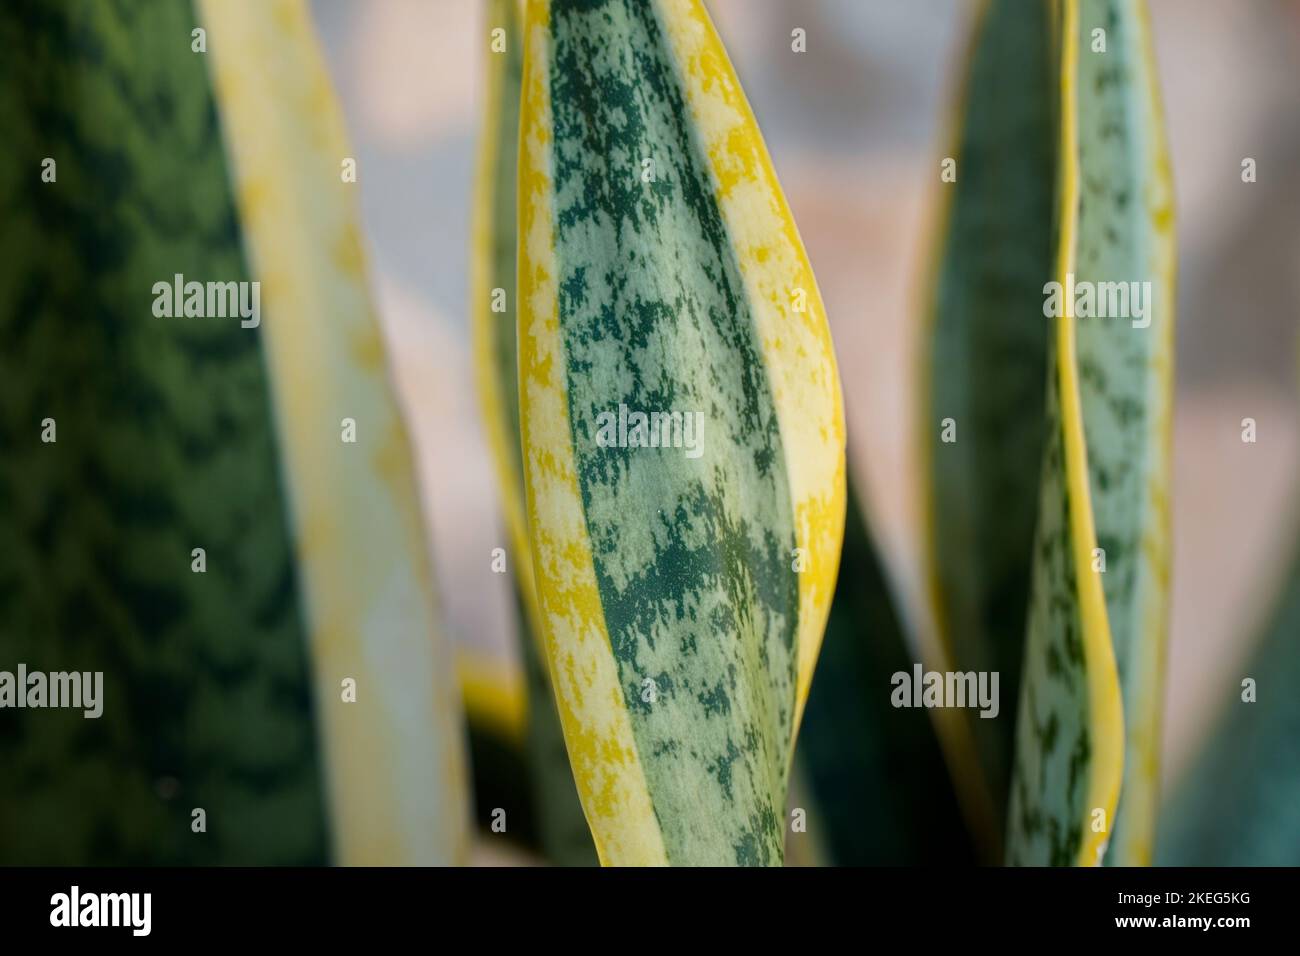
<point>220,514</point>
<point>1062,186</point>
<point>217,512</point>
<point>683,573</point>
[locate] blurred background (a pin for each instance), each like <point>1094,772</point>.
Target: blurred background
<point>856,129</point>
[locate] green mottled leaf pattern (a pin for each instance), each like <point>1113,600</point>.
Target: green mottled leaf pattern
<point>1125,380</point>
<point>699,599</point>
<point>1101,584</point>
<point>164,444</point>
<point>1055,735</point>
<point>684,577</point>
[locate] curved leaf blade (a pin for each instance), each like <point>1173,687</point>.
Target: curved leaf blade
<point>986,371</point>
<point>395,757</point>
<point>864,761</point>
<point>1126,233</point>
<point>1098,614</point>
<point>493,266</point>
<point>165,443</point>
<point>681,642</point>
<point>562,828</point>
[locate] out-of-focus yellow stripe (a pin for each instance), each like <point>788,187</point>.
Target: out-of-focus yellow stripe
<point>394,758</point>
<point>486,324</point>
<point>495,696</point>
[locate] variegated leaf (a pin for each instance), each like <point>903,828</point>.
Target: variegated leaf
<point>492,280</point>
<point>226,686</point>
<point>660,272</point>
<point>1092,680</point>
<point>163,443</point>
<point>985,374</point>
<point>395,758</point>
<point>560,823</point>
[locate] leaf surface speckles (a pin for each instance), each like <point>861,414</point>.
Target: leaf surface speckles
<point>658,265</point>
<point>1098,616</point>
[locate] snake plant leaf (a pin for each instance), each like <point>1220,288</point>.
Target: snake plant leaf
<point>560,822</point>
<point>881,792</point>
<point>492,280</point>
<point>517,757</point>
<point>1239,804</point>
<point>562,828</point>
<point>660,273</point>
<point>1092,684</point>
<point>193,527</point>
<point>163,442</point>
<point>394,757</point>
<point>160,441</point>
<point>985,374</point>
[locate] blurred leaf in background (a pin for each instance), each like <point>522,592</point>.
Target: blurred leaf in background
<point>984,377</point>
<point>1093,680</point>
<point>224,672</point>
<point>165,442</point>
<point>545,778</point>
<point>1083,183</point>
<point>881,792</point>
